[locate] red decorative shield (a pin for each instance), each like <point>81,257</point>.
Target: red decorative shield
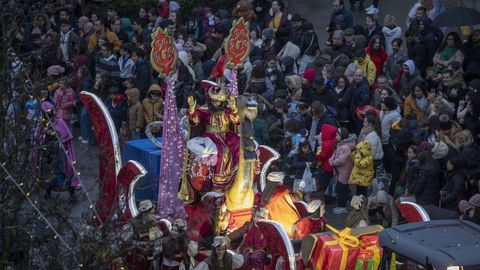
<point>164,53</point>
<point>238,45</point>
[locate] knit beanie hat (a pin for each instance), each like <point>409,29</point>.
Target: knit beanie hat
<point>439,150</point>
<point>309,74</point>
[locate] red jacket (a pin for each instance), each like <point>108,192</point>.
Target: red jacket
<point>378,59</point>
<point>329,133</point>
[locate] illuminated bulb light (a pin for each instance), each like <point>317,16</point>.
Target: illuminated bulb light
<point>78,173</point>
<point>91,206</point>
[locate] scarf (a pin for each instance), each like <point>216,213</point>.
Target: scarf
<point>364,132</point>
<point>338,90</point>
<point>422,103</point>
<point>64,42</point>
<point>447,53</point>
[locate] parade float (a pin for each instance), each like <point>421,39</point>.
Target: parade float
<point>213,180</point>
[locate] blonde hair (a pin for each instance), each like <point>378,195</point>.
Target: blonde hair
<point>390,20</point>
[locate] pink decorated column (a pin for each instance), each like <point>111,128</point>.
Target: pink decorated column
<point>171,164</point>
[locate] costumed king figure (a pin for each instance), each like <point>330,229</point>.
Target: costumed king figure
<point>220,119</point>
<point>254,245</point>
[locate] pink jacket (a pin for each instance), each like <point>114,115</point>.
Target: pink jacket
<point>64,101</point>
<point>342,160</point>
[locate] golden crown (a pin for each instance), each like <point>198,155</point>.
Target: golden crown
<point>217,93</point>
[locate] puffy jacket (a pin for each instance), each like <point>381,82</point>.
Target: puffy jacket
<point>135,109</point>
<point>151,108</point>
<point>329,133</point>
<point>342,160</point>
<point>64,101</point>
<point>363,171</point>
<point>369,69</point>
<point>455,191</point>
<point>427,186</point>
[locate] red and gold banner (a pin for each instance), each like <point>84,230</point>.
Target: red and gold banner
<point>238,44</point>
<point>164,54</point>
<point>335,250</point>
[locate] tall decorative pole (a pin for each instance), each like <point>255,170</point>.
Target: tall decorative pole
<point>164,58</point>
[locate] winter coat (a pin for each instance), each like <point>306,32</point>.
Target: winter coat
<point>135,110</point>
<point>328,97</point>
<point>300,162</point>
<point>117,110</point>
<point>407,81</point>
<point>411,174</point>
<point>455,189</point>
<point>360,94</point>
<point>387,119</point>
<point>64,101</point>
<point>151,109</point>
<point>411,106</point>
<point>472,55</point>
<point>126,67</point>
<point>363,171</point>
<point>369,69</point>
<point>457,57</point>
<point>340,63</point>
<point>143,76</point>
<point>377,99</point>
<point>391,33</point>
<point>344,102</point>
<point>309,44</point>
<point>394,64</point>
<point>377,31</point>
<point>375,145</point>
<point>377,200</point>
<point>329,133</point>
<point>427,185</point>
<point>342,161</point>
<point>418,53</point>
<point>378,59</point>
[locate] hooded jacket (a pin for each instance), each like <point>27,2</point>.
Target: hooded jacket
<point>329,133</point>
<point>135,109</point>
<point>390,34</point>
<point>362,172</point>
<point>64,100</point>
<point>341,159</point>
<point>378,59</point>
<point>150,107</point>
<point>409,79</point>
<point>369,69</point>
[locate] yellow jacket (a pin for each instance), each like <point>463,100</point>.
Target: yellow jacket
<point>368,68</point>
<point>111,37</point>
<point>363,172</point>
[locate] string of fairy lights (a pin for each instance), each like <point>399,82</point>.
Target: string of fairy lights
<point>41,216</point>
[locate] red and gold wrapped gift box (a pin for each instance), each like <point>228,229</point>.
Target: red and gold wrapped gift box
<point>335,250</point>
<point>369,251</point>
